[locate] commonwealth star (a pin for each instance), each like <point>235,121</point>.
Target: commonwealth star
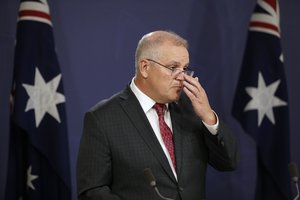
<point>43,97</point>
<point>30,178</point>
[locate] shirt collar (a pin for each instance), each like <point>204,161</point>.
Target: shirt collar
<point>146,102</point>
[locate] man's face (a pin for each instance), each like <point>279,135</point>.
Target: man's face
<point>164,86</point>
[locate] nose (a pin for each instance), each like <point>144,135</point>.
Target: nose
<point>180,76</point>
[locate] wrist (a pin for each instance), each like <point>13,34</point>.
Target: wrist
<point>210,118</point>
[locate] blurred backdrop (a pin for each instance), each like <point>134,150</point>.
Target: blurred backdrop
<point>96,41</point>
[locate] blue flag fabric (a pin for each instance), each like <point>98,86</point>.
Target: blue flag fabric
<point>38,165</point>
<point>261,102</point>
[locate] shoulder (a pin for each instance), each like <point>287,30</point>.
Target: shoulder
<point>113,102</point>
<point>105,103</point>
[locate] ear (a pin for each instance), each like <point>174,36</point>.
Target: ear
<point>144,68</point>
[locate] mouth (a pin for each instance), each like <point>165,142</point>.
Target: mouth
<point>178,86</point>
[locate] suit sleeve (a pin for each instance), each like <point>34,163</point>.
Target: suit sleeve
<point>223,152</point>
<point>223,149</point>
<point>94,174</point>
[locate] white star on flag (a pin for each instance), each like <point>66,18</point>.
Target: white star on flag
<point>43,97</point>
<point>263,99</point>
<point>281,57</point>
<point>30,178</point>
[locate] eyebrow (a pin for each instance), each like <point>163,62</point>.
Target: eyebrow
<point>177,64</point>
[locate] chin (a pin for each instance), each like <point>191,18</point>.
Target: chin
<point>177,96</point>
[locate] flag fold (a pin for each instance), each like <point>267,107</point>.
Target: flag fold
<point>38,165</point>
<point>261,101</point>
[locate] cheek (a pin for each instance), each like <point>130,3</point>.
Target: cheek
<point>165,84</point>
<point>161,82</point>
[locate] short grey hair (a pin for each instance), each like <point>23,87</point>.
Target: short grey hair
<point>148,44</point>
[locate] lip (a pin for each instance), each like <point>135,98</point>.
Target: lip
<point>178,87</point>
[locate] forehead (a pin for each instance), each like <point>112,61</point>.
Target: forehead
<point>173,52</point>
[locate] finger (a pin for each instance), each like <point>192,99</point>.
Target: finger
<point>193,89</point>
<point>194,81</point>
<point>191,80</point>
<point>191,95</point>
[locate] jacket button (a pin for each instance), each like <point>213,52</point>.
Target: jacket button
<point>222,143</point>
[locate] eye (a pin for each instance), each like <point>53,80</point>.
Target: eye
<point>185,68</point>
<point>173,67</point>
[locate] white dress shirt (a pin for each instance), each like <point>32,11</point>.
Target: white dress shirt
<point>147,105</point>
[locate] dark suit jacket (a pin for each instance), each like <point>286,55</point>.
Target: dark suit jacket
<point>118,143</point>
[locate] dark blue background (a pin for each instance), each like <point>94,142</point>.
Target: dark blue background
<point>96,41</point>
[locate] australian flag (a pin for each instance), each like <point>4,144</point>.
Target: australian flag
<point>38,165</point>
<point>261,102</point>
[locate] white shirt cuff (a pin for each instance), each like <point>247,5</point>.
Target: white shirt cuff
<point>213,129</point>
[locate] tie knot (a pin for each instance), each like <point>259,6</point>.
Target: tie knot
<point>160,108</point>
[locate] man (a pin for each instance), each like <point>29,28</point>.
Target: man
<point>153,124</point>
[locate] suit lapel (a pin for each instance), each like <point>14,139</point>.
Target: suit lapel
<point>138,118</point>
<point>176,118</point>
